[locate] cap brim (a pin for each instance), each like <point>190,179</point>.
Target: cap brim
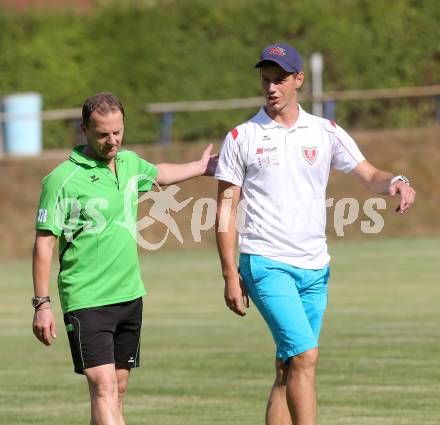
<point>283,65</point>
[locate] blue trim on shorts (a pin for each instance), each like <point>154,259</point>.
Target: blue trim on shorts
<point>291,300</point>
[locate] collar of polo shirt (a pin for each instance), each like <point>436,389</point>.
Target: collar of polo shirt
<point>267,122</point>
<point>79,157</point>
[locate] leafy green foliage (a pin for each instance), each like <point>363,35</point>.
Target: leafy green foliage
<point>200,49</point>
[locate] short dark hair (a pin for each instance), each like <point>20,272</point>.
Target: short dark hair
<point>103,103</point>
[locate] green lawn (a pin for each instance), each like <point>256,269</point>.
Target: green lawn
<point>379,357</point>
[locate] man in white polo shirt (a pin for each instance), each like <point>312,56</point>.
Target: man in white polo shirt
<point>273,172</point>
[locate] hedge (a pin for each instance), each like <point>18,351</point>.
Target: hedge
<point>171,50</point>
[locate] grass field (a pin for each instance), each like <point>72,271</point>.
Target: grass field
<point>201,365</point>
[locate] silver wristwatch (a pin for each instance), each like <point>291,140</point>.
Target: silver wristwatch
<point>401,178</point>
<point>37,301</point>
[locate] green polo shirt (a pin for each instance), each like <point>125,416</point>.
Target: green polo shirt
<point>94,214</point>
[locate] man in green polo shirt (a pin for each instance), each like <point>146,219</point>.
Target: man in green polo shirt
<point>89,203</point>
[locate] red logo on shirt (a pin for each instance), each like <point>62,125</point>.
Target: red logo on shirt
<point>234,133</point>
<point>333,123</point>
<point>310,154</point>
<point>259,151</point>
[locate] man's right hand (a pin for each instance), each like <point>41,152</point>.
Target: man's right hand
<point>43,325</point>
<point>236,296</point>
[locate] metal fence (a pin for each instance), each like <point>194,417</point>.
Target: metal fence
<point>166,110</point>
<point>326,101</point>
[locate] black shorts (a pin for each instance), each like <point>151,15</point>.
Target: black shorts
<point>105,335</point>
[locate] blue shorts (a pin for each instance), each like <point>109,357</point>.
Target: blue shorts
<point>291,300</point>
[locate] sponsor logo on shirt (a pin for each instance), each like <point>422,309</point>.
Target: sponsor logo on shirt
<point>267,161</point>
<point>310,154</point>
<point>266,150</point>
<point>94,178</point>
<point>267,157</point>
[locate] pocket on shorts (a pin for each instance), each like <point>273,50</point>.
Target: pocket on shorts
<point>74,340</point>
<point>258,268</point>
<point>250,273</point>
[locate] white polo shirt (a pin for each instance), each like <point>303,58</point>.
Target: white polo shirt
<point>283,175</point>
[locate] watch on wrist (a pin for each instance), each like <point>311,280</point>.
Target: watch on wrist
<point>37,301</point>
<point>400,178</point>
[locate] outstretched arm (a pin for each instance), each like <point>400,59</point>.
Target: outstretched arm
<point>236,297</point>
<point>44,322</point>
<point>378,181</point>
<point>175,173</point>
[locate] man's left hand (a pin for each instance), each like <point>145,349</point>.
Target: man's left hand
<point>407,195</point>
